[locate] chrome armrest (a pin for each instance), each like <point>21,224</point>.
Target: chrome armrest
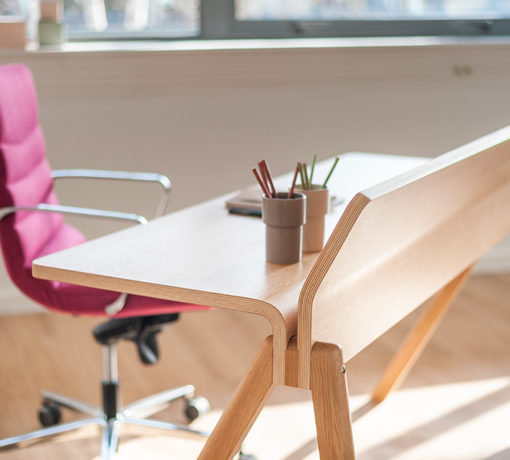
<point>164,181</point>
<point>118,304</point>
<point>98,213</point>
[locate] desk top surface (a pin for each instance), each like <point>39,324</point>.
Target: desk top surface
<point>205,255</point>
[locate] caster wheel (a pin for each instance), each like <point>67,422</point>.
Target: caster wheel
<point>49,414</point>
<point>246,456</point>
<point>195,407</point>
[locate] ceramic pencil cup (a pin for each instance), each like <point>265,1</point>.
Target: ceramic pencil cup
<point>284,218</point>
<point>317,206</point>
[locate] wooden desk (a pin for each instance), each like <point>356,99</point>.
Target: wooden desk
<point>206,256</point>
<point>413,237</point>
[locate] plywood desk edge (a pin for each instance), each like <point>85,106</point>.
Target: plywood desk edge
<point>314,279</point>
<point>361,203</point>
<point>279,324</point>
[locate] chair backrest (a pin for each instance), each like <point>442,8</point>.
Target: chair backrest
<point>401,241</point>
<point>25,179</point>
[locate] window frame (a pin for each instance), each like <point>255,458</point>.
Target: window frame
<point>218,21</point>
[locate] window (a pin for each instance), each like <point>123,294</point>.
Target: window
<point>369,9</point>
<point>275,18</point>
<point>132,18</point>
<point>117,18</point>
<point>373,17</point>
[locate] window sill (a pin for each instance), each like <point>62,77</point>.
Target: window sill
<point>78,47</point>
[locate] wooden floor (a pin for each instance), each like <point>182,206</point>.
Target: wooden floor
<point>454,405</point>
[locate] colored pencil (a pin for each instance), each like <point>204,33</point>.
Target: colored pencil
<point>261,183</point>
<point>311,171</point>
<point>301,176</point>
<point>330,172</point>
<point>291,191</point>
<point>269,181</point>
<point>262,175</point>
<point>305,173</point>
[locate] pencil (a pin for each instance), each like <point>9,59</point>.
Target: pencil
<point>302,177</point>
<point>330,172</point>
<point>261,183</point>
<point>305,173</point>
<point>311,172</point>
<point>291,191</point>
<point>263,176</point>
<point>268,178</point>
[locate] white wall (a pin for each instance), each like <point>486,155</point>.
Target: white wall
<point>205,117</point>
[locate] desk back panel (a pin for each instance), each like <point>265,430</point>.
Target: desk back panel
<point>401,241</point>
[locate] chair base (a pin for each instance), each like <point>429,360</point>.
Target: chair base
<point>132,414</point>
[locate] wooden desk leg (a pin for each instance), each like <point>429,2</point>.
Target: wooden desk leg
<point>421,333</point>
<point>331,403</point>
<point>244,408</point>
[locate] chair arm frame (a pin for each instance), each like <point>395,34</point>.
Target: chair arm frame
<point>163,180</point>
<point>118,304</point>
<point>73,210</point>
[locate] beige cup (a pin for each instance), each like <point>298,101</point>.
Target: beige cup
<point>284,219</point>
<point>317,206</point>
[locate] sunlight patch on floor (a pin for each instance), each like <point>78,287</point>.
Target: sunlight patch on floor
<point>452,421</point>
<point>456,421</point>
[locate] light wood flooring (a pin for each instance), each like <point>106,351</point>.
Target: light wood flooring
<point>454,405</point>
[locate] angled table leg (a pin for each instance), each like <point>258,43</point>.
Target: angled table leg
<point>331,403</point>
<point>242,411</point>
<point>418,337</point>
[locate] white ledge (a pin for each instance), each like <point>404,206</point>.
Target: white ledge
<point>255,44</point>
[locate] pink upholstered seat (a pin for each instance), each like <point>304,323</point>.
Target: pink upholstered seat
<point>25,180</point>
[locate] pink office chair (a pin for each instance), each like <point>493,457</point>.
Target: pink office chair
<point>31,226</point>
